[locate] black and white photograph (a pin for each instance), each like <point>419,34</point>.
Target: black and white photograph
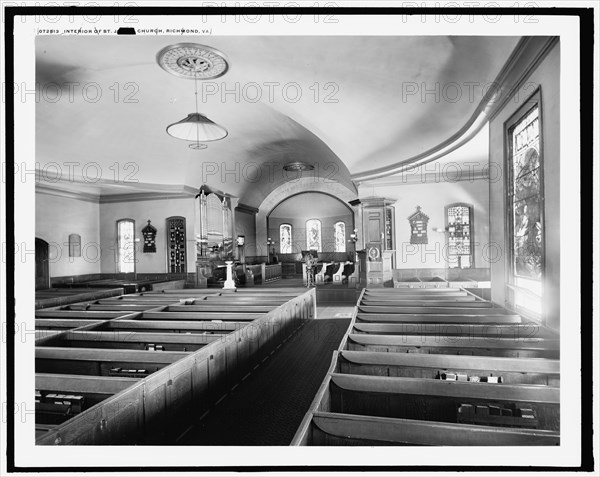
<point>306,238</point>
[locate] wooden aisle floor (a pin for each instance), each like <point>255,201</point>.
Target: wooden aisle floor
<point>267,407</point>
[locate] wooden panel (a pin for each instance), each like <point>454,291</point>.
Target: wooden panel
<point>436,310</point>
<point>133,301</point>
<point>457,389</point>
<point>391,292</point>
<point>67,314</point>
<point>415,296</point>
<point>547,348</point>
<point>93,354</point>
<point>413,432</point>
<point>516,331</point>
<point>436,318</point>
<point>53,323</point>
<point>374,226</point>
<point>459,303</point>
<point>430,366</point>
<point>123,308</point>
<point>221,308</point>
<point>435,400</point>
<point>499,364</point>
<point>82,384</point>
<point>200,316</point>
<point>137,337</point>
<point>174,325</point>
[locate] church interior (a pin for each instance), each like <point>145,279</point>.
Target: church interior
<point>298,240</point>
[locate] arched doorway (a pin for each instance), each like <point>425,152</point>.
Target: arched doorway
<point>42,266</point>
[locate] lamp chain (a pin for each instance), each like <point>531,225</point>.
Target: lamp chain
<point>196,87</point>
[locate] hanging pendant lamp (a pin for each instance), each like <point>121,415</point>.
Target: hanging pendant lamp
<point>193,61</point>
<point>196,127</point>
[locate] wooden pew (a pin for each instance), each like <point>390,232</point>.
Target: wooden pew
<point>416,295</point>
<point>411,291</point>
<point>473,317</point>
<point>391,300</point>
<point>529,348</point>
<point>467,302</point>
<point>436,310</point>
<point>190,315</point>
<point>132,340</point>
<point>158,408</point>
<point>430,375</point>
<point>86,385</point>
<point>437,400</point>
<point>128,303</point>
<point>99,362</point>
<point>243,300</point>
<point>122,308</point>
<point>428,366</point>
<point>491,331</point>
<point>59,324</point>
<point>335,429</point>
<point>174,326</point>
<point>222,308</point>
<point>67,314</point>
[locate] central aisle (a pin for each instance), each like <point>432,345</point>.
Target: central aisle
<point>267,407</point>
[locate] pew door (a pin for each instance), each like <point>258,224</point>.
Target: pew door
<point>176,253</point>
<point>42,267</point>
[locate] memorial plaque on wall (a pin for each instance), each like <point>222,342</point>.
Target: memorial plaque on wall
<point>418,227</point>
<point>149,233</point>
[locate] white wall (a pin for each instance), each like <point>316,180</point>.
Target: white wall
<point>141,211</point>
<point>56,218</point>
<point>433,198</point>
<point>245,224</point>
<point>547,75</point>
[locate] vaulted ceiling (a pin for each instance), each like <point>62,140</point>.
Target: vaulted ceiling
<point>348,105</point>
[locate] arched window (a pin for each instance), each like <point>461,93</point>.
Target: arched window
<point>74,245</point>
<point>285,238</point>
<point>313,235</point>
<point>125,246</point>
<point>340,236</point>
<point>459,224</point>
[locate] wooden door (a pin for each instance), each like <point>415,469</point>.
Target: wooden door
<point>42,269</point>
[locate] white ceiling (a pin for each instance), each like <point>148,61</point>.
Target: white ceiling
<point>371,125</point>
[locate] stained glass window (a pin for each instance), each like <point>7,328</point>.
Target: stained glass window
<point>313,235</point>
<point>458,220</point>
<point>285,238</point>
<point>176,244</point>
<point>125,246</point>
<point>340,236</point>
<point>525,206</point>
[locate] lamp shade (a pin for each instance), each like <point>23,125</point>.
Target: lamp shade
<point>196,127</point>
